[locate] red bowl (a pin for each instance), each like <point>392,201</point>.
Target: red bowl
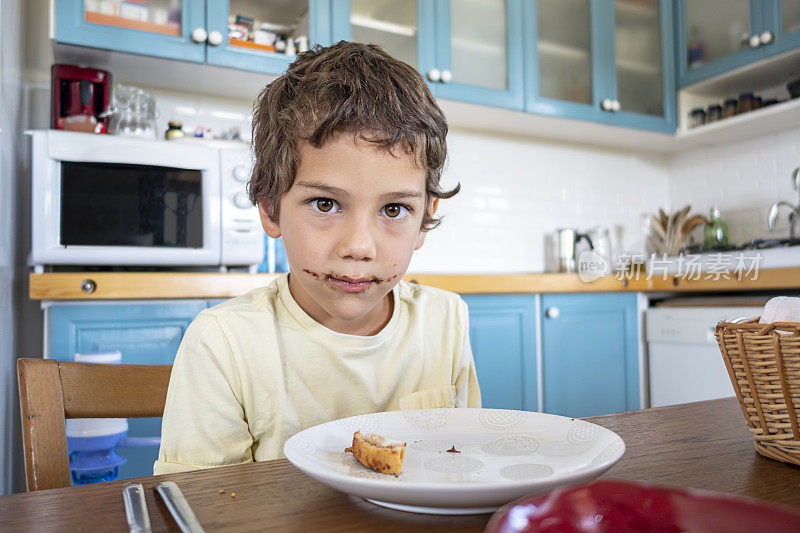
<point>621,506</point>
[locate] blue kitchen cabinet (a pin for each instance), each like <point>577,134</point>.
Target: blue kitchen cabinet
<point>170,38</point>
<point>590,353</point>
<point>502,332</point>
<point>145,333</point>
<point>316,14</point>
<point>467,51</point>
<point>601,61</point>
<point>194,30</point>
<point>714,37</point>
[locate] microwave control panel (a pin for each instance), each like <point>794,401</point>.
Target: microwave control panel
<point>242,237</point>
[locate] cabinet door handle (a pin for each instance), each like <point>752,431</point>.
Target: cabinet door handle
<point>434,74</point>
<point>755,41</point>
<point>199,35</point>
<point>447,76</point>
<point>552,312</point>
<point>607,105</point>
<point>215,38</point>
<point>766,37</point>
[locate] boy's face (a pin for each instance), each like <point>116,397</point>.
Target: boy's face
<point>350,223</point>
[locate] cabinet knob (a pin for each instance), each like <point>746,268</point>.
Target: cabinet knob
<point>606,105</point>
<point>88,286</point>
<point>447,76</point>
<point>215,38</point>
<point>766,37</point>
<point>615,106</point>
<point>434,74</point>
<point>199,35</point>
<point>552,312</point>
<point>755,41</point>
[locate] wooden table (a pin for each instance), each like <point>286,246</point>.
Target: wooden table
<point>703,445</point>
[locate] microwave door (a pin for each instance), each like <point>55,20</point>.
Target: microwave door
<point>124,210</point>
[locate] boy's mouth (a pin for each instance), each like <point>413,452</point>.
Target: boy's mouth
<point>349,284</point>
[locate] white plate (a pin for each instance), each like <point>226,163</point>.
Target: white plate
<point>504,455</point>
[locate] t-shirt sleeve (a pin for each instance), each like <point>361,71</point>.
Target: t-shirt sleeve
<point>204,423</point>
<point>468,393</point>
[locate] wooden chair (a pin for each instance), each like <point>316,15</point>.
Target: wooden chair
<point>51,391</point>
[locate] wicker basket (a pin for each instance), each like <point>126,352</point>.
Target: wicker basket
<point>763,362</point>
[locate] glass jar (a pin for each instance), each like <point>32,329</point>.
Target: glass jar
<point>697,117</point>
<point>746,103</point>
<point>133,113</point>
<point>175,130</point>
<point>714,113</point>
<point>729,108</point>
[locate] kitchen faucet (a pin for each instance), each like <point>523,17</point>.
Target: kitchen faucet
<point>794,210</point>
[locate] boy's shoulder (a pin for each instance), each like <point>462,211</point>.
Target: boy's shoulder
<point>431,299</point>
<point>258,300</point>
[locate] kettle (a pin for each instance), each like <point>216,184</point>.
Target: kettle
<point>566,247</point>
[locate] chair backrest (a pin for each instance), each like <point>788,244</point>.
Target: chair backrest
<point>51,391</point>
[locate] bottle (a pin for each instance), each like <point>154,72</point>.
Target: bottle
<point>716,232</point>
<point>175,130</point>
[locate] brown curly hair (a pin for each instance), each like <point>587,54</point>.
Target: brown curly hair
<point>346,87</point>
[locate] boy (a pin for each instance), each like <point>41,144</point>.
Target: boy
<point>349,147</point>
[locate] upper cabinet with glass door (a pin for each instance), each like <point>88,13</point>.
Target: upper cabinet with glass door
<point>608,62</point>
<point>255,35</point>
<point>467,50</point>
<point>264,36</point>
<point>161,28</point>
<point>717,36</point>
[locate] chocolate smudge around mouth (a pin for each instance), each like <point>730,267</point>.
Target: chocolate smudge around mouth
<point>316,275</point>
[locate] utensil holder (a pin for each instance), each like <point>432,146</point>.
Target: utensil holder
<point>763,362</point>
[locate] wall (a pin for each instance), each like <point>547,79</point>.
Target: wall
<point>9,105</point>
<point>742,179</point>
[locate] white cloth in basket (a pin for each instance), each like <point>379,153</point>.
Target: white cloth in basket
<point>781,309</point>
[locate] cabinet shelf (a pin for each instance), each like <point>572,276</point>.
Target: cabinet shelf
<point>382,26</point>
<point>574,53</point>
<point>131,24</point>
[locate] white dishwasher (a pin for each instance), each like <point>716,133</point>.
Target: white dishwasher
<point>684,361</point>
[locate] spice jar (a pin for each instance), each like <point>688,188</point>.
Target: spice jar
<point>746,103</point>
<point>175,130</point>
<point>714,113</point>
<point>697,117</point>
<point>729,108</point>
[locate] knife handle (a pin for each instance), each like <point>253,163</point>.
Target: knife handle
<point>178,507</point>
<point>136,508</point>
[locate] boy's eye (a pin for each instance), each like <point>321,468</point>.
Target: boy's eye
<point>396,211</point>
<point>324,205</point>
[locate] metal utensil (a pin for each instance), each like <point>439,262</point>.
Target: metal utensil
<point>136,508</point>
<point>178,507</point>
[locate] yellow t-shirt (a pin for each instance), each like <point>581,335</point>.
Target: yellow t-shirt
<point>253,371</point>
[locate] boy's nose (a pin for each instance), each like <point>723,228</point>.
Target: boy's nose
<point>357,241</point>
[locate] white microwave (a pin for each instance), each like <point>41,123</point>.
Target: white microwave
<point>113,200</point>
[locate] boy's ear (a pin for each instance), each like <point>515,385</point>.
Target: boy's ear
<point>266,211</point>
<point>423,232</point>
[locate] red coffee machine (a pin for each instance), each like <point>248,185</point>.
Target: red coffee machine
<point>80,96</point>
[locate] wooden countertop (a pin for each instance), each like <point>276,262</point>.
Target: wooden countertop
<point>704,445</point>
<point>152,285</point>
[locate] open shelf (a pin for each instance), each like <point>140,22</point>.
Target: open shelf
<point>763,121</point>
<point>121,22</point>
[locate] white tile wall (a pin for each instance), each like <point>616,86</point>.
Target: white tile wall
<point>515,191</point>
<point>742,179</point>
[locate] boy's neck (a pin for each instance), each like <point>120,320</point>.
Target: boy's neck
<point>368,325</point>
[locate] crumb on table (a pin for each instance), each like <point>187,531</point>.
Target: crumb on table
<point>453,449</point>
